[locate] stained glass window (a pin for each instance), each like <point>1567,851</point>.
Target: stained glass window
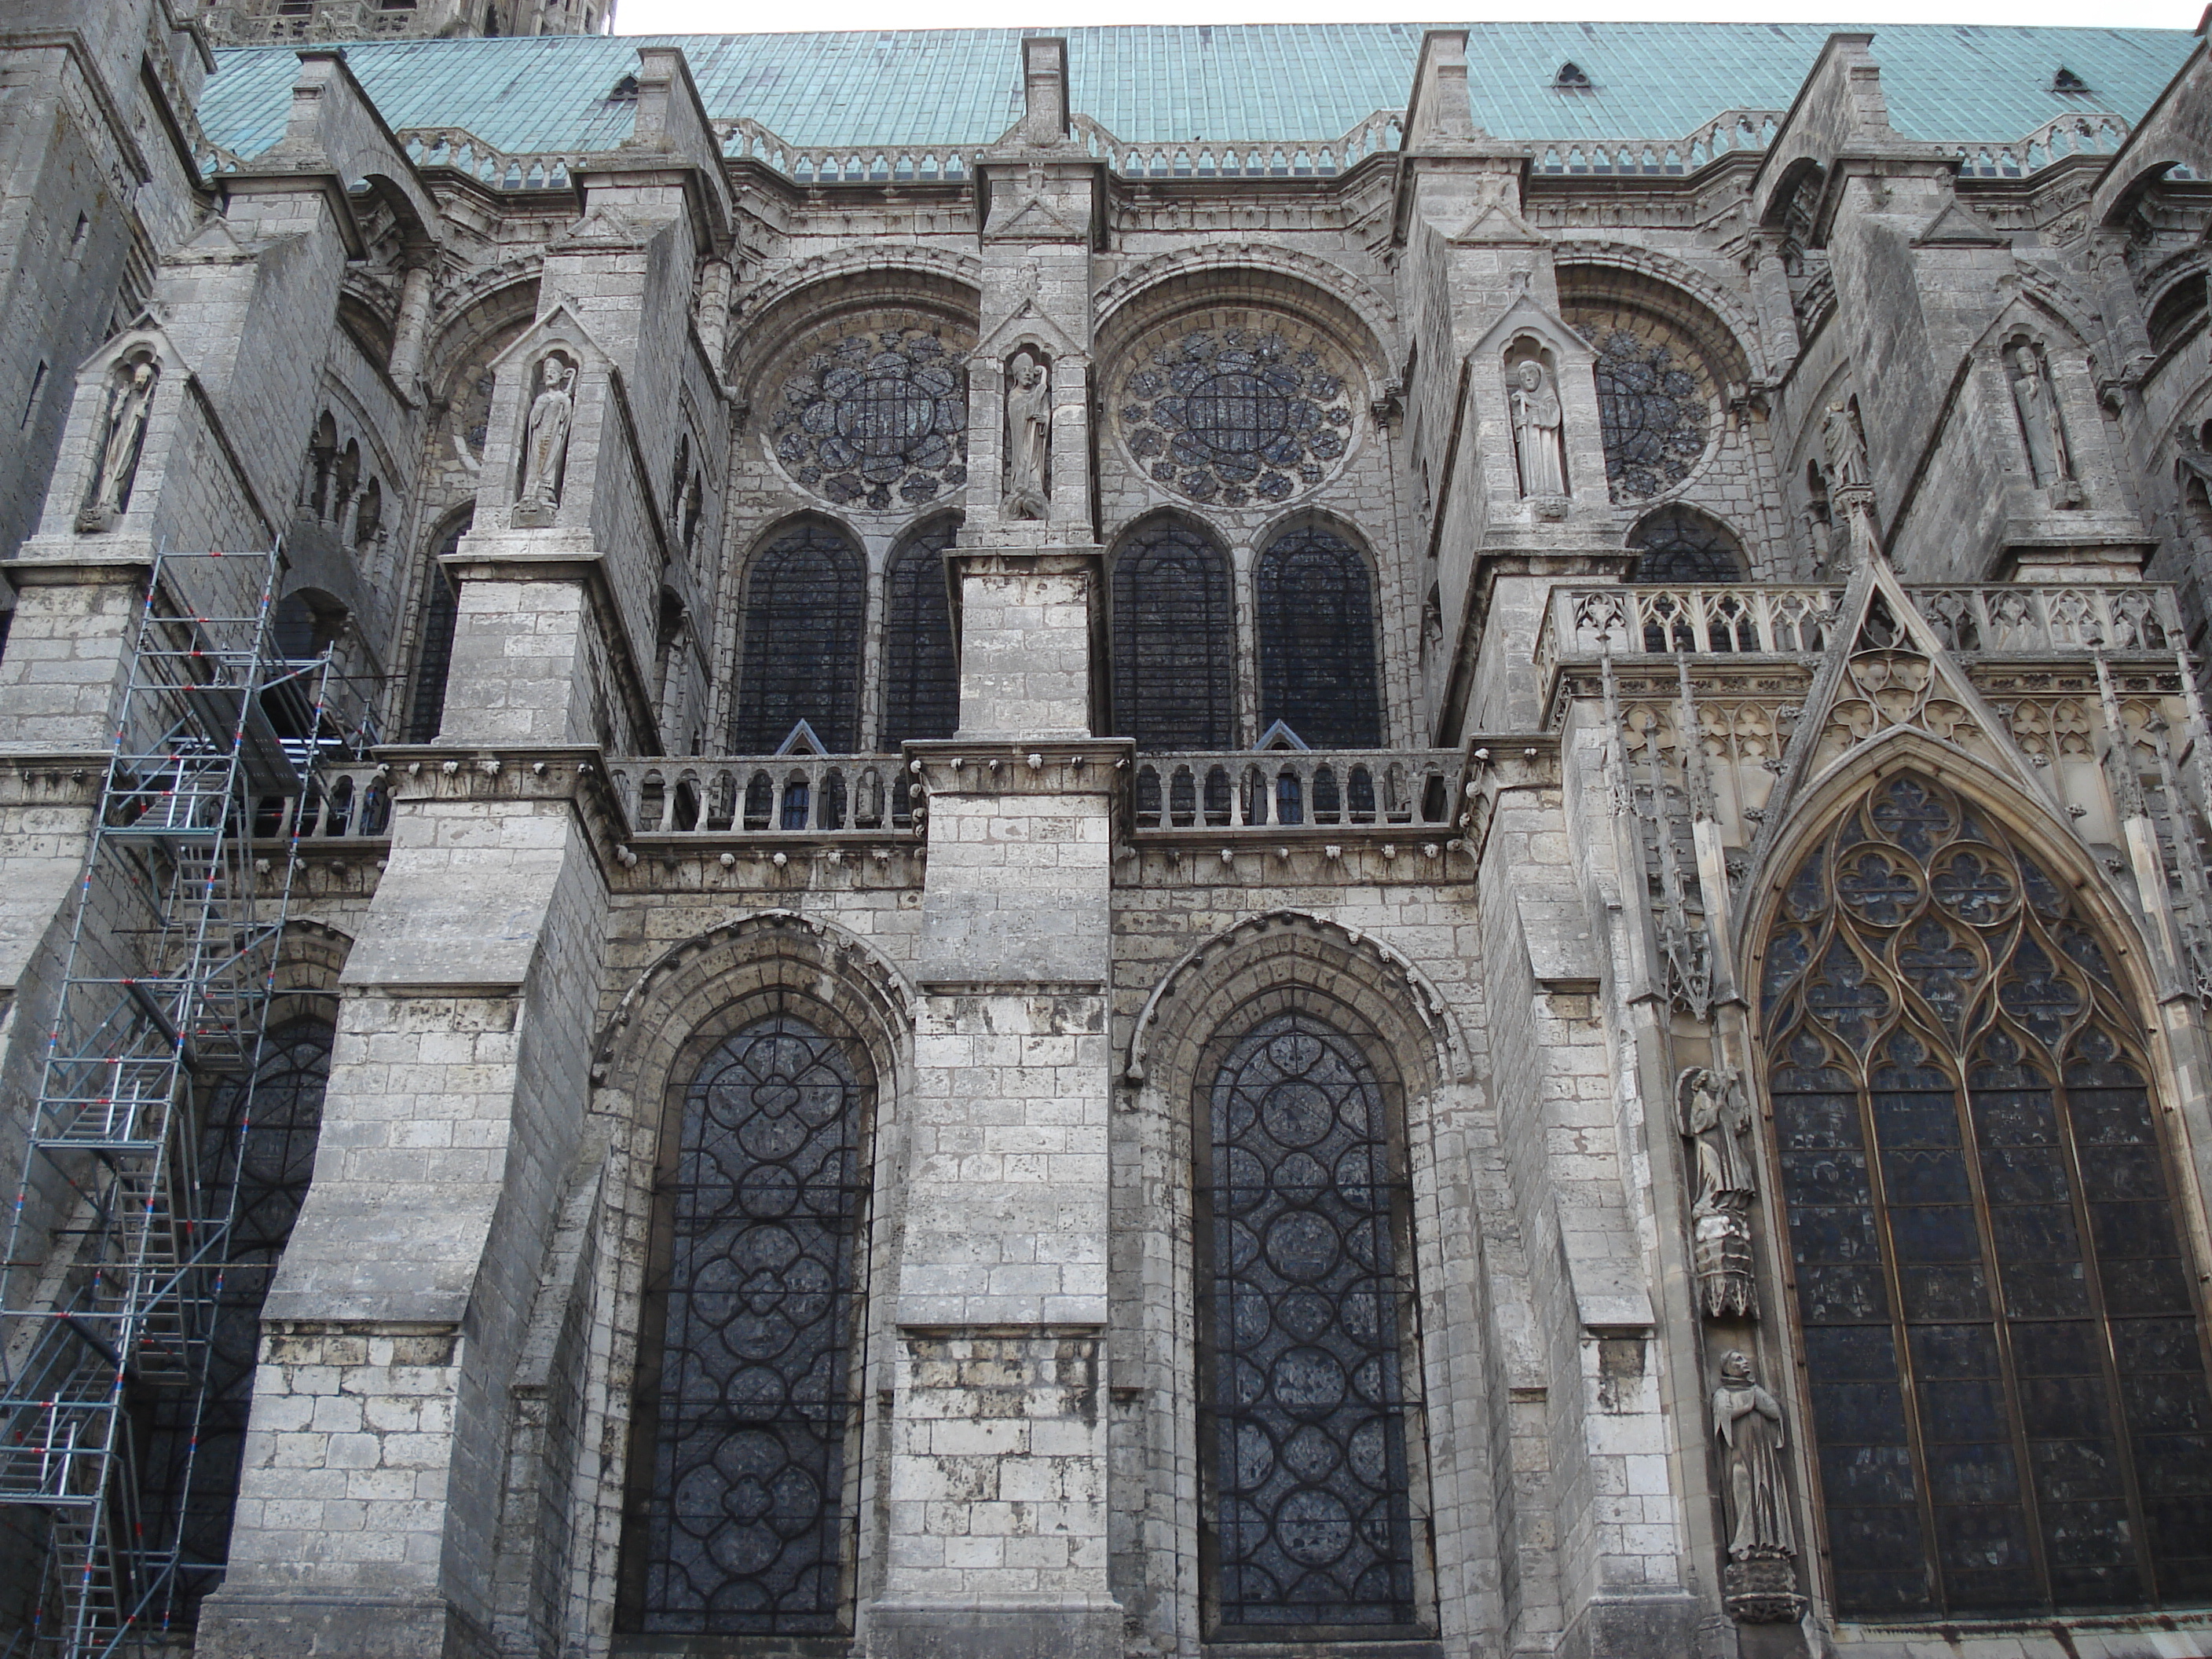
<point>434,653</point>
<point>1317,668</point>
<point>737,1523</point>
<point>806,604</point>
<point>1175,640</point>
<point>1235,415</point>
<point>276,1125</point>
<point>875,419</point>
<point>2003,1348</point>
<point>1305,1313</point>
<point>1680,544</point>
<point>921,689</point>
<point>1655,398</point>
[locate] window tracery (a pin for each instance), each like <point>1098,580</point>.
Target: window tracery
<point>266,1139</point>
<point>1232,414</point>
<point>2005,1362</point>
<point>1657,395</point>
<point>876,417</point>
<point>921,689</point>
<point>1318,664</point>
<point>1305,1310</point>
<point>1174,639</point>
<point>805,608</point>
<point>1680,544</point>
<point>744,1392</point>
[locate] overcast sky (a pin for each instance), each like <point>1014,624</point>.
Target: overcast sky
<point>719,16</point>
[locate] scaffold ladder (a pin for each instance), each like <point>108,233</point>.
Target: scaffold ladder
<point>119,1232</point>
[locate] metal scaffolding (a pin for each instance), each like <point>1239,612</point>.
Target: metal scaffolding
<point>117,1246</point>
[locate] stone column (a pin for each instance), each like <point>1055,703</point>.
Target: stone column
<point>413,316</point>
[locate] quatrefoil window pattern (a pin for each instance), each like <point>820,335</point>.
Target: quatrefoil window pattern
<point>875,420</point>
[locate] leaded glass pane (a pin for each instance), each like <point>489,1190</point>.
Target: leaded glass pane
<point>806,605</point>
<point>921,689</point>
<point>1317,669</point>
<point>275,1127</point>
<point>2004,1359</point>
<point>1175,640</point>
<point>1681,544</point>
<point>1655,398</point>
<point>1305,1393</point>
<point>745,1406</point>
<point>1236,414</point>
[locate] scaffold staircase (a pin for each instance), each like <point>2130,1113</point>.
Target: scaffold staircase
<point>118,1237</point>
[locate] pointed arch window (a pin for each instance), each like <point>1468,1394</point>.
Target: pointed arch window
<point>434,649</point>
<point>805,608</point>
<point>740,1513</point>
<point>921,686</point>
<point>1175,640</point>
<point>2004,1357</point>
<point>1679,543</point>
<point>264,1139</point>
<point>1317,661</point>
<point>1305,1312</point>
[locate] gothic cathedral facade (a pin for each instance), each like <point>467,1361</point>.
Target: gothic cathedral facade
<point>1315,842</point>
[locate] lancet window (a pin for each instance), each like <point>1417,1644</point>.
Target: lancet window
<point>1174,639</point>
<point>434,647</point>
<point>1679,543</point>
<point>1305,1316</point>
<point>2004,1357</point>
<point>921,689</point>
<point>265,1138</point>
<point>806,609</point>
<point>739,1518</point>
<point>1318,661</point>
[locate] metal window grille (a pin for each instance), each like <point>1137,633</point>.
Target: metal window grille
<point>1175,640</point>
<point>921,688</point>
<point>2004,1357</point>
<point>1318,664</point>
<point>745,1392</point>
<point>1306,1309</point>
<point>806,605</point>
<point>1681,544</point>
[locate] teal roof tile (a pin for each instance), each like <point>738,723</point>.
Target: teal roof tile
<point>1251,83</point>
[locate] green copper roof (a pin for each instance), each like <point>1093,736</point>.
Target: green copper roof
<point>1250,83</point>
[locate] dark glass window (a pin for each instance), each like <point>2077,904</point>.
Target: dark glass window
<point>745,1393</point>
<point>1175,640</point>
<point>921,689</point>
<point>2005,1364</point>
<point>1317,669</point>
<point>191,1470</point>
<point>1681,544</point>
<point>434,653</point>
<point>806,604</point>
<point>1305,1309</point>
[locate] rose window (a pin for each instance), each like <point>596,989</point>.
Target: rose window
<point>875,419</point>
<point>1233,415</point>
<point>1655,400</point>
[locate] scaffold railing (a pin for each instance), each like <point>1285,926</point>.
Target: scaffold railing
<point>117,1241</point>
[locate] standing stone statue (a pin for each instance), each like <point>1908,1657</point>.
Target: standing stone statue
<point>1747,1420</point>
<point>1028,437</point>
<point>546,443</point>
<point>2033,401</point>
<point>123,436</point>
<point>1846,447</point>
<point>1717,1123</point>
<point>1536,423</point>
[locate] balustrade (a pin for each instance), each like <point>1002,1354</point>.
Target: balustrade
<point>769,795</point>
<point>1275,790</point>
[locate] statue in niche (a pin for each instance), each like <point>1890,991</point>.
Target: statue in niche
<point>1747,1420</point>
<point>123,435</point>
<point>2036,404</point>
<point>1028,437</point>
<point>545,444</point>
<point>1716,1121</point>
<point>1536,430</point>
